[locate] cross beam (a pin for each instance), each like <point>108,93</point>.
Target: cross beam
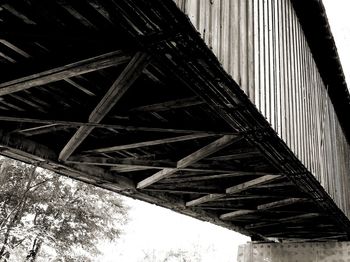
<point>129,75</point>
<point>234,189</point>
<point>114,126</point>
<point>263,207</point>
<point>190,159</point>
<point>148,143</point>
<point>78,68</point>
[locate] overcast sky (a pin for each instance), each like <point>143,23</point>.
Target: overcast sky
<point>338,15</point>
<point>152,227</point>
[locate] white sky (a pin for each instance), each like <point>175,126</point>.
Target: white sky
<point>338,16</point>
<point>152,227</point>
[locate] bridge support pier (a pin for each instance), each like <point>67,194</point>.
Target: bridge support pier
<point>295,252</point>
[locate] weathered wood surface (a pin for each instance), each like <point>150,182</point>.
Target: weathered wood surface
<point>129,75</point>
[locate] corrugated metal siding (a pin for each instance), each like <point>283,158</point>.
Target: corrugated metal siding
<point>262,45</point>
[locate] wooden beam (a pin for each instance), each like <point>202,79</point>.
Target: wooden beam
<point>235,214</point>
<point>251,183</point>
<point>118,127</point>
<point>275,185</point>
<point>235,156</point>
<point>14,48</point>
<point>156,177</point>
<point>128,168</point>
<point>213,147</point>
<point>129,75</point>
<point>281,203</point>
<point>169,105</point>
<point>149,143</point>
<point>284,220</point>
<point>116,163</point>
<point>80,87</point>
<point>233,190</point>
<point>204,199</point>
<point>215,176</point>
<point>284,202</point>
<point>190,159</point>
<point>39,130</point>
<point>64,72</point>
<point>174,191</point>
<point>19,147</point>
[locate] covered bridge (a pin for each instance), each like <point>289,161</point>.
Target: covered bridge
<point>233,112</point>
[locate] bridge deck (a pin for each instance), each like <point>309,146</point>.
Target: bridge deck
<point>125,95</point>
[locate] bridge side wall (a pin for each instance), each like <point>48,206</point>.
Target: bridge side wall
<point>262,45</point>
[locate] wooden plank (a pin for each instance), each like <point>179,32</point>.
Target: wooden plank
<point>129,168</point>
<point>181,179</point>
<point>275,185</point>
<point>243,46</point>
<point>18,14</point>
<point>207,150</point>
<point>173,191</point>
<point>39,130</point>
<point>27,101</point>
<point>154,164</point>
<point>14,48</point>
<point>156,177</point>
<point>235,58</point>
<point>235,214</point>
<point>107,126</point>
<point>235,156</point>
<point>250,49</point>
<point>284,220</point>
<point>129,75</point>
<point>190,159</point>
<point>252,183</point>
<point>23,149</point>
<point>78,16</point>
<point>204,199</point>
<point>281,203</point>
<point>149,143</point>
<point>233,190</point>
<point>80,87</point>
<point>8,58</point>
<point>255,50</point>
<point>78,68</point>
<point>169,105</point>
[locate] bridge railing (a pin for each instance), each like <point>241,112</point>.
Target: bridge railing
<point>261,44</point>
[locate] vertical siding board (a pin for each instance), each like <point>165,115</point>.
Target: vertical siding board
<point>318,128</point>
<point>215,26</point>
<point>225,35</point>
<point>293,78</point>
<point>277,65</point>
<point>250,49</point>
<point>298,89</point>
<point>305,103</point>
<point>271,63</point>
<point>235,43</point>
<point>266,76</point>
<point>262,57</point>
<point>243,50</point>
<point>314,132</point>
<point>256,24</point>
<point>289,82</point>
<point>284,72</point>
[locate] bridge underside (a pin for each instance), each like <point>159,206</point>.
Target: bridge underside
<point>126,96</point>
